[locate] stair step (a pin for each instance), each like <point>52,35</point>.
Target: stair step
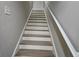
<point>36,47</point>
<point>37,10</point>
<point>37,21</point>
<point>41,43</point>
<point>33,35</point>
<point>39,24</point>
<point>37,38</point>
<point>36,28</point>
<point>37,32</point>
<point>34,53</point>
<point>37,15</point>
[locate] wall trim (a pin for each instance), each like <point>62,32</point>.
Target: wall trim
<point>72,49</point>
<point>20,38</point>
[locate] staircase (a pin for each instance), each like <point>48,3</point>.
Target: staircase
<point>36,40</point>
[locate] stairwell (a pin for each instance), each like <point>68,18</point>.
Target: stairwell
<point>36,39</point>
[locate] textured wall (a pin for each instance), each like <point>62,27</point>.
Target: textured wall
<point>11,25</point>
<point>67,13</point>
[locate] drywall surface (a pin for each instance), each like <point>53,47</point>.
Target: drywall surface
<point>37,5</point>
<point>67,13</point>
<point>13,16</point>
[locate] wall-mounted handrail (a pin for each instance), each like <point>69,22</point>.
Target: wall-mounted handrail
<point>69,44</point>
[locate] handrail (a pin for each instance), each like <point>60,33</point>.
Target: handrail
<point>72,49</point>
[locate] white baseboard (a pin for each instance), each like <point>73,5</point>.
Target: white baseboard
<point>17,45</point>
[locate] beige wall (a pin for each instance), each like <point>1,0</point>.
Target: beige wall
<point>11,25</point>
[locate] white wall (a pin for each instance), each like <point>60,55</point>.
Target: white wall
<point>37,5</point>
<point>67,13</point>
<point>11,25</point>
